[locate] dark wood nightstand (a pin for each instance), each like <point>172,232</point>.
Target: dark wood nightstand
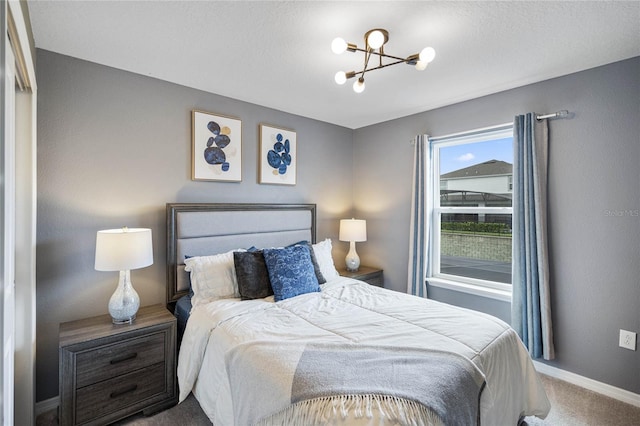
<point>369,275</point>
<point>108,371</point>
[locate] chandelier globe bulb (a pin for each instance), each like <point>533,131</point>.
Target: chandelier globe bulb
<point>338,45</point>
<point>340,77</point>
<point>358,85</point>
<point>375,39</point>
<point>421,65</point>
<point>427,54</point>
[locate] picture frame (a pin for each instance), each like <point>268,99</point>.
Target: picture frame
<point>216,147</point>
<point>278,155</point>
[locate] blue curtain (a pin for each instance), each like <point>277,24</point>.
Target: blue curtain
<point>420,214</point>
<point>530,305</point>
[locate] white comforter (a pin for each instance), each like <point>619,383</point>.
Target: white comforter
<point>351,311</point>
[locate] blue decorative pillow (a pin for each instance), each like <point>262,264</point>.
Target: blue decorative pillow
<point>252,274</point>
<point>290,271</point>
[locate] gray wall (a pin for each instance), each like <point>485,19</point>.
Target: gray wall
<point>113,148</point>
<point>594,181</point>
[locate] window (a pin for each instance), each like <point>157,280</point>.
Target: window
<point>472,210</point>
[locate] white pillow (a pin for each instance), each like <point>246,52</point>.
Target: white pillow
<point>212,277</point>
<point>322,251</point>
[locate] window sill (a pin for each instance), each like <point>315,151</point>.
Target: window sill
<point>491,293</point>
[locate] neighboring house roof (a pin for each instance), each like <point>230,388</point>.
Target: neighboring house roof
<point>488,168</point>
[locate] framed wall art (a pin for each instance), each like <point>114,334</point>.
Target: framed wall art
<point>216,147</point>
<point>278,155</point>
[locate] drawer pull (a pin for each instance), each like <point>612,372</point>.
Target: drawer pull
<point>123,358</point>
<point>121,392</point>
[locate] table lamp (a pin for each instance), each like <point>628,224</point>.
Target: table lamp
<point>353,230</point>
<point>122,250</point>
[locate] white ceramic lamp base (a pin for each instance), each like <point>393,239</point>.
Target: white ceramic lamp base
<point>352,260</point>
<point>124,302</point>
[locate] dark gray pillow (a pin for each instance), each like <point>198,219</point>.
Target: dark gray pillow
<point>252,275</point>
<point>314,261</point>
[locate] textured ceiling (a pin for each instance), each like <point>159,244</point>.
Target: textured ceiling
<point>277,54</point>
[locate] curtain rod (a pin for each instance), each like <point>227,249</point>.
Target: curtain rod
<point>558,114</point>
<point>497,127</point>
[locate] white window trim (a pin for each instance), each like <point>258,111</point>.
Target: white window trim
<point>7,263</point>
<point>19,395</point>
<point>441,281</point>
<point>489,289</point>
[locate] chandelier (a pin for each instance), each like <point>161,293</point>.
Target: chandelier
<point>374,41</point>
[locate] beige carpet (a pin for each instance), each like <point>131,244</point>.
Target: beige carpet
<point>575,406</point>
<point>571,406</point>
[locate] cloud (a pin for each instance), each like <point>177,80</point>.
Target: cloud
<point>466,157</point>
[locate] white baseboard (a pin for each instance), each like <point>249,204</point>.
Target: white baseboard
<point>47,405</point>
<point>593,385</point>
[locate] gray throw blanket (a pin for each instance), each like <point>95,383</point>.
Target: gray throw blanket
<point>446,383</point>
<point>294,383</point>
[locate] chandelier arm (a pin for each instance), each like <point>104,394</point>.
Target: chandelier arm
<point>367,56</point>
<point>375,41</point>
<point>380,67</point>
<point>357,49</point>
<point>390,56</point>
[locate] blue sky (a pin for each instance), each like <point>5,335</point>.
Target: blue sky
<point>460,156</point>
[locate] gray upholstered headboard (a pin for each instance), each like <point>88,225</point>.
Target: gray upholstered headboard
<point>201,229</point>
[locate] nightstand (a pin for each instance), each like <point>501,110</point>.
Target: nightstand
<point>369,275</point>
<point>108,371</point>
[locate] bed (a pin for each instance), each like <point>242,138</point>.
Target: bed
<point>319,348</point>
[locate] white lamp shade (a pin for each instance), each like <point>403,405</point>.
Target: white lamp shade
<point>123,249</point>
<point>353,230</point>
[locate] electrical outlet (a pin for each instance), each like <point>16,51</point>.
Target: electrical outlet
<point>628,339</point>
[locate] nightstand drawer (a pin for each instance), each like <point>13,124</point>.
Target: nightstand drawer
<point>372,276</point>
<point>376,280</point>
<point>108,372</point>
<point>106,397</point>
<point>123,357</point>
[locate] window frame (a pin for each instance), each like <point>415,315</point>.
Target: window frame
<point>475,286</point>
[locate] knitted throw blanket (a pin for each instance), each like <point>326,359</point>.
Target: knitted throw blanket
<point>406,386</point>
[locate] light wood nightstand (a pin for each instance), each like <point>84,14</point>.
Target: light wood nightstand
<point>108,372</point>
<point>367,274</point>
